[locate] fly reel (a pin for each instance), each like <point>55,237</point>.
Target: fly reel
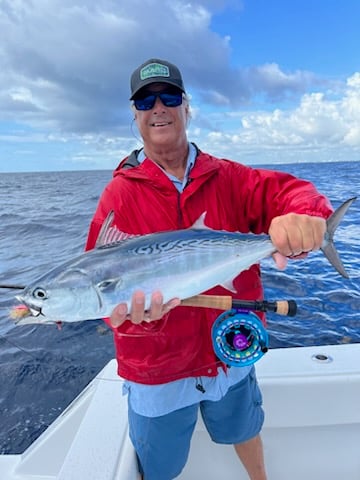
<point>239,338</point>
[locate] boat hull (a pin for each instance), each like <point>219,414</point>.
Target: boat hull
<point>312,426</point>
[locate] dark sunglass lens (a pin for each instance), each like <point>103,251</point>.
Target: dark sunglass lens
<point>171,99</point>
<point>168,99</point>
<point>145,103</point>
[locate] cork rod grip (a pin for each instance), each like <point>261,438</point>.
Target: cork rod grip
<point>223,302</point>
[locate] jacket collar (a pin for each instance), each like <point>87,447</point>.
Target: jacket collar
<point>204,165</point>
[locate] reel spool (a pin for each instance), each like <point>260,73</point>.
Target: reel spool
<point>239,338</point>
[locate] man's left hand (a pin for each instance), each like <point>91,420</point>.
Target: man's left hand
<point>294,235</point>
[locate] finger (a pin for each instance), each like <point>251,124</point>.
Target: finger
<point>297,231</point>
<point>278,232</point>
<point>318,233</point>
<point>158,309</point>
<point>309,235</point>
<point>137,311</point>
<point>156,306</point>
<point>280,260</point>
<point>174,302</point>
<point>119,315</point>
<point>299,256</point>
<point>305,240</point>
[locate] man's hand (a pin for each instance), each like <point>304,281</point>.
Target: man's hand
<point>138,313</point>
<point>295,235</point>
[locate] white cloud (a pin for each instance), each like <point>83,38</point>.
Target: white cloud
<point>66,67</point>
<point>318,123</point>
<point>73,58</point>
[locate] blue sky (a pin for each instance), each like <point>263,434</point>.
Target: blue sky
<point>270,81</point>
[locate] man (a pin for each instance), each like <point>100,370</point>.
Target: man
<point>165,354</point>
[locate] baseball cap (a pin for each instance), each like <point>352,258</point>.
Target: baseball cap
<point>155,70</point>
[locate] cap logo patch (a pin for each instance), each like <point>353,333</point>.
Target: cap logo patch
<point>154,70</point>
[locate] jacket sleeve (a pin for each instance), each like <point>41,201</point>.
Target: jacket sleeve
<point>267,194</point>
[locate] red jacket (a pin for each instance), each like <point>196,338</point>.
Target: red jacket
<point>235,198</point>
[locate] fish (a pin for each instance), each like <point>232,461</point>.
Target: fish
<point>179,263</point>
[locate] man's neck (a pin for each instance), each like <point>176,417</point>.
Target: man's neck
<point>173,161</point>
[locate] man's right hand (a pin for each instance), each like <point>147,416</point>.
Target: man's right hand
<point>137,313</point>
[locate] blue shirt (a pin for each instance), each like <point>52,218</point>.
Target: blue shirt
<point>156,400</point>
<point>179,184</point>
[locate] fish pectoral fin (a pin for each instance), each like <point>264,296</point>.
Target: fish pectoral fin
<point>229,286</point>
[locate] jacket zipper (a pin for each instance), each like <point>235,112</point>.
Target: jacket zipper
<point>180,215</point>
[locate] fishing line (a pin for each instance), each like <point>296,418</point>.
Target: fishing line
<point>133,133</point>
<point>35,359</point>
<point>17,346</point>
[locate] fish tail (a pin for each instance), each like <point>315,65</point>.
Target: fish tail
<point>328,247</point>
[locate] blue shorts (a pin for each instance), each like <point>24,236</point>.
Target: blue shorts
<point>163,443</point>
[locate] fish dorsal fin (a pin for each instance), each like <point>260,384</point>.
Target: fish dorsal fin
<point>110,235</point>
<point>101,240</point>
<point>200,223</point>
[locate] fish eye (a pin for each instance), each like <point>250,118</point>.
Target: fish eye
<point>40,293</point>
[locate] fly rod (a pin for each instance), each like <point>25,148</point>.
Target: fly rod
<point>12,287</point>
<point>226,302</point>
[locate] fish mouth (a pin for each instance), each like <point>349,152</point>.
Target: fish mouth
<point>34,310</point>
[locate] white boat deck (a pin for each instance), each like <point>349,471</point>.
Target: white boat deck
<point>311,431</point>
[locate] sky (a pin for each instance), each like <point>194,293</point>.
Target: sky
<point>270,81</point>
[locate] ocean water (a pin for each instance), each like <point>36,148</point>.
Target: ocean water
<point>44,219</point>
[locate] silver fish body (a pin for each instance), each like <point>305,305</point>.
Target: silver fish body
<point>179,263</point>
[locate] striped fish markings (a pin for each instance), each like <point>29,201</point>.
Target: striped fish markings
<point>179,263</point>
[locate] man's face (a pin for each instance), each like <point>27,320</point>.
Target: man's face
<point>162,126</point>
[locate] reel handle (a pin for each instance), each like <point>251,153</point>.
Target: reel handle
<point>226,302</point>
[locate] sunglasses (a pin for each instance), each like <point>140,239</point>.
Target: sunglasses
<point>168,99</point>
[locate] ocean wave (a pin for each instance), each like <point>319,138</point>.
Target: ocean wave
<point>45,222</point>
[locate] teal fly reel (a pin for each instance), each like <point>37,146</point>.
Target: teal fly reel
<point>239,338</point>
